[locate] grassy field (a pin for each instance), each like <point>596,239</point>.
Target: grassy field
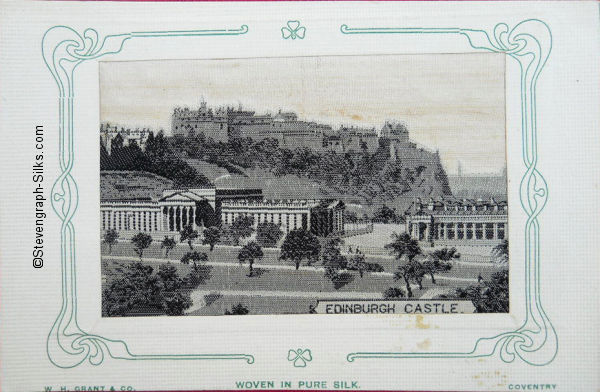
<point>216,304</point>
<point>378,238</point>
<point>273,291</point>
<point>228,254</point>
<point>276,286</point>
<point>234,277</point>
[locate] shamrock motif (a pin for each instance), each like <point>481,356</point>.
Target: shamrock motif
<point>299,357</point>
<point>293,30</point>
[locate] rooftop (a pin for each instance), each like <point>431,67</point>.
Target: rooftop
<point>121,185</point>
<point>453,206</point>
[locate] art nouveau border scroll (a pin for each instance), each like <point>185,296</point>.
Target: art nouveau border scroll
<point>529,43</point>
<point>63,49</point>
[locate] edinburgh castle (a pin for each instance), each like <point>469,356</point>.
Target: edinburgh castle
<point>226,123</point>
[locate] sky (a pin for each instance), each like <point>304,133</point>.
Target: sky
<point>453,103</point>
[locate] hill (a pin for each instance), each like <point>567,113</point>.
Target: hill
<point>361,178</point>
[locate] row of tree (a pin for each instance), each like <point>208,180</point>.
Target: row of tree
<point>157,157</point>
<point>415,264</point>
<point>267,235</point>
<point>303,246</point>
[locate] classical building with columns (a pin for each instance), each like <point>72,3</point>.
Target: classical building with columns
<point>322,217</point>
<point>133,202</point>
<point>458,222</point>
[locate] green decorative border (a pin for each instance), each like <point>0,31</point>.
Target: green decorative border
<point>529,43</point>
<point>63,49</point>
<point>293,29</point>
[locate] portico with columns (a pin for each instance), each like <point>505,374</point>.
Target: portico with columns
<point>181,208</point>
<point>467,222</point>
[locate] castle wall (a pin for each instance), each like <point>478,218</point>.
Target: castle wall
<point>107,134</point>
<point>257,131</point>
<point>217,130</point>
<point>225,124</point>
<point>296,141</point>
<point>356,143</point>
<point>351,143</point>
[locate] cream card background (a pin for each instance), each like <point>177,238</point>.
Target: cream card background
<point>568,147</point>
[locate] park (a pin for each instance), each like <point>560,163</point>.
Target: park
<point>240,270</point>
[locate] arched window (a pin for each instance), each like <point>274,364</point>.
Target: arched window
<point>469,231</point>
<point>501,232</point>
<point>450,231</point>
<point>460,232</point>
<point>489,231</point>
<point>479,231</point>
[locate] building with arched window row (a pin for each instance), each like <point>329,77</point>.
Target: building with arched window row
<point>458,222</point>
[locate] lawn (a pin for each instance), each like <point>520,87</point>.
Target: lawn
<point>235,277</point>
<point>277,291</point>
<point>228,254</point>
<point>381,236</point>
<point>216,304</point>
<point>276,287</point>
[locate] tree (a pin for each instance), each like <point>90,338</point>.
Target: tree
<point>446,254</point>
<point>242,227</point>
<point>238,309</point>
<point>174,301</point>
<point>393,292</point>
<point>432,265</point>
<point>332,273</point>
<point>116,142</point>
<point>403,245</point>
<point>156,147</point>
<point>169,277</point>
<point>385,215</point>
<point>249,253</point>
<point>188,234</point>
<point>332,254</point>
<point>137,288</point>
<point>491,296</point>
<point>268,234</point>
<point>332,259</point>
<point>412,271</point>
<point>195,258</point>
<point>357,262</point>
<point>175,304</point>
<point>500,251</point>
<point>212,235</point>
<point>141,241</point>
<point>110,238</point>
<point>300,245</point>
<point>168,243</point>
